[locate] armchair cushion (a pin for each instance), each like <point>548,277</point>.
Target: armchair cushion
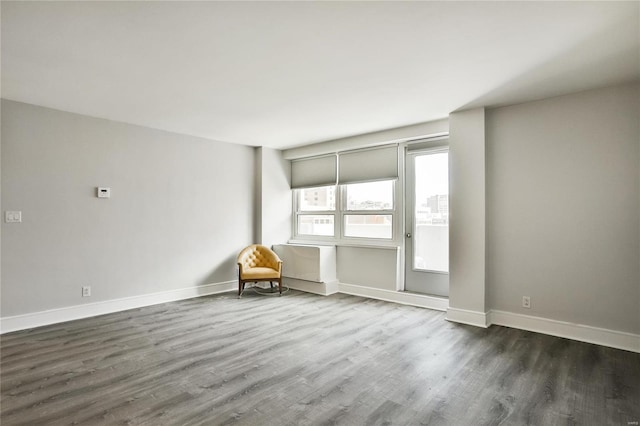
<point>259,273</point>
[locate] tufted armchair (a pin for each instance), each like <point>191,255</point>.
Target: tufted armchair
<point>258,263</point>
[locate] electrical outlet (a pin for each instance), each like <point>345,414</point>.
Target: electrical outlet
<point>13,216</point>
<point>526,302</point>
<point>86,291</point>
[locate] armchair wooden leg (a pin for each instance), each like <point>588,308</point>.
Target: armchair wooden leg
<point>280,286</point>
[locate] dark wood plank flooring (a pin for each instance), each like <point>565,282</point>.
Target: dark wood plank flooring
<point>303,359</point>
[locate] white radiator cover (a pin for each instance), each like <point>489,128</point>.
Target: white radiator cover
<point>306,262</point>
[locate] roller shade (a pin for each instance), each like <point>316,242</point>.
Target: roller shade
<point>368,165</point>
<point>316,171</point>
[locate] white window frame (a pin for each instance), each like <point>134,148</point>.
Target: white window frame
<point>297,213</point>
<point>340,214</point>
<point>382,212</point>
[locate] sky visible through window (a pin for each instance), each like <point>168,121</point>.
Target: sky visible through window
<point>430,170</point>
<point>370,196</point>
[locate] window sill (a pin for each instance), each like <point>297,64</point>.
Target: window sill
<point>372,245</point>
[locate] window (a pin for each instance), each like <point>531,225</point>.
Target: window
<point>368,208</point>
<point>317,199</point>
<point>322,202</point>
<point>369,226</point>
<point>370,195</point>
<point>316,225</point>
<point>347,196</point>
<point>431,217</point>
<point>365,210</point>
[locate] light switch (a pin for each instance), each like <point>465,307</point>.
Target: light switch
<point>12,216</point>
<point>104,192</point>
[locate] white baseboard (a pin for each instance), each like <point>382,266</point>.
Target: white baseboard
<point>463,316</point>
<point>323,289</point>
<point>580,332</point>
<point>54,316</point>
<point>332,287</point>
<point>412,299</point>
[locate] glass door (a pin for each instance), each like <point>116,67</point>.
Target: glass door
<point>427,221</point>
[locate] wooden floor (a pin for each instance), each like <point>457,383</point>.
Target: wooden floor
<point>304,359</point>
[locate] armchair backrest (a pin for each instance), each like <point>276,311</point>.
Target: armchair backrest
<point>257,255</point>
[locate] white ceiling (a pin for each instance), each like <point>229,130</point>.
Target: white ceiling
<point>284,74</point>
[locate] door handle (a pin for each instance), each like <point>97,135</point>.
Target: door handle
<point>408,235</point>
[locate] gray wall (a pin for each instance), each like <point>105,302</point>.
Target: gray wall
<point>368,267</point>
<point>181,209</point>
<point>275,197</point>
<point>563,208</point>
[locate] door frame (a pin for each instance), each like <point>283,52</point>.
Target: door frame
<point>437,279</point>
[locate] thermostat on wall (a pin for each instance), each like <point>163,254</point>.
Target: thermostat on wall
<point>104,192</point>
